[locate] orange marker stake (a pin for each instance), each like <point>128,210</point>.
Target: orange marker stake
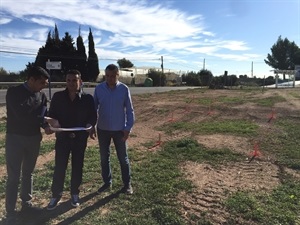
<point>172,118</point>
<point>158,143</point>
<point>272,116</point>
<point>209,111</point>
<point>191,99</point>
<point>255,153</point>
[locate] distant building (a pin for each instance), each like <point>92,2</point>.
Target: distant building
<point>139,74</point>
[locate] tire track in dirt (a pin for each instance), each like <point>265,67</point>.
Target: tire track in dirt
<point>215,184</point>
<point>294,101</point>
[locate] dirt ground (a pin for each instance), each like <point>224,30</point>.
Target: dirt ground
<point>212,184</point>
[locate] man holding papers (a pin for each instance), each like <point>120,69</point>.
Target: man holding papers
<point>26,105</point>
<point>72,116</point>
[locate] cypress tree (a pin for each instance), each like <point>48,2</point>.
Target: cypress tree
<point>67,52</point>
<point>81,57</point>
<point>92,64</point>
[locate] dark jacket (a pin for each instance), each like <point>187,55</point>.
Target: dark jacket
<point>25,111</point>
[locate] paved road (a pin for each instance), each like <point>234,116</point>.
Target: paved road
<point>133,90</point>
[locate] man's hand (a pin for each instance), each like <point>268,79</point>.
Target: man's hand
<point>48,130</point>
<point>92,131</point>
<point>53,122</point>
<point>126,135</point>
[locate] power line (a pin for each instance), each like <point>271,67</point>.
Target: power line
<point>69,57</point>
<point>19,53</point>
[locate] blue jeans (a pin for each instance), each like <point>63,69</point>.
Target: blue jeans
<point>104,138</point>
<point>21,153</point>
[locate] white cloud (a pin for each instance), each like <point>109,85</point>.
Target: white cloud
<point>234,45</point>
<point>25,42</point>
<point>42,21</point>
<point>4,20</point>
<point>134,29</point>
<point>238,57</point>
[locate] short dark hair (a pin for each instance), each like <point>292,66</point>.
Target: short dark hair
<point>74,72</point>
<point>37,72</point>
<point>112,67</point>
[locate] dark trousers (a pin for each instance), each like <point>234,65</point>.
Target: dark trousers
<point>104,138</point>
<point>21,153</point>
<point>64,145</point>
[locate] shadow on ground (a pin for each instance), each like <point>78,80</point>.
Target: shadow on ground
<point>46,216</point>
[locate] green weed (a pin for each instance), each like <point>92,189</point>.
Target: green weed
<point>235,127</point>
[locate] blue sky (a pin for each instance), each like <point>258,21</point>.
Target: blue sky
<point>217,35</point>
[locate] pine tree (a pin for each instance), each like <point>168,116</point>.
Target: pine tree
<point>284,55</point>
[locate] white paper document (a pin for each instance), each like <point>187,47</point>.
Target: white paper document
<point>71,128</point>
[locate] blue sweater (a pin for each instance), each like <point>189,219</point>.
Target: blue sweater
<point>114,106</point>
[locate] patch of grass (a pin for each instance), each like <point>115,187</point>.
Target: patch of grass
<point>235,127</point>
<point>47,146</point>
<point>2,127</point>
<point>233,100</point>
<point>243,203</point>
<point>204,101</point>
<point>189,149</point>
<point>284,144</point>
<point>280,207</point>
<point>145,96</point>
<point>295,94</point>
<point>270,101</point>
<point>162,111</point>
<point>2,151</point>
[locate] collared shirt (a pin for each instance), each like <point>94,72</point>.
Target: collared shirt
<point>77,113</point>
<point>25,110</point>
<point>114,105</point>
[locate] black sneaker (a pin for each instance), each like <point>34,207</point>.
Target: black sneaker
<point>127,189</point>
<point>104,187</point>
<point>75,200</point>
<point>53,203</point>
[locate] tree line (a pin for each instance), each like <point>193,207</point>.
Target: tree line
<point>284,56</point>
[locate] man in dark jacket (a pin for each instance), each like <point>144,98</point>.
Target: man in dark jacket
<point>73,114</point>
<point>26,106</point>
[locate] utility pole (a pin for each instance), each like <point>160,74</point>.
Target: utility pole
<point>252,69</point>
<point>204,64</point>
<point>162,64</point>
<point>162,69</point>
<point>54,65</point>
